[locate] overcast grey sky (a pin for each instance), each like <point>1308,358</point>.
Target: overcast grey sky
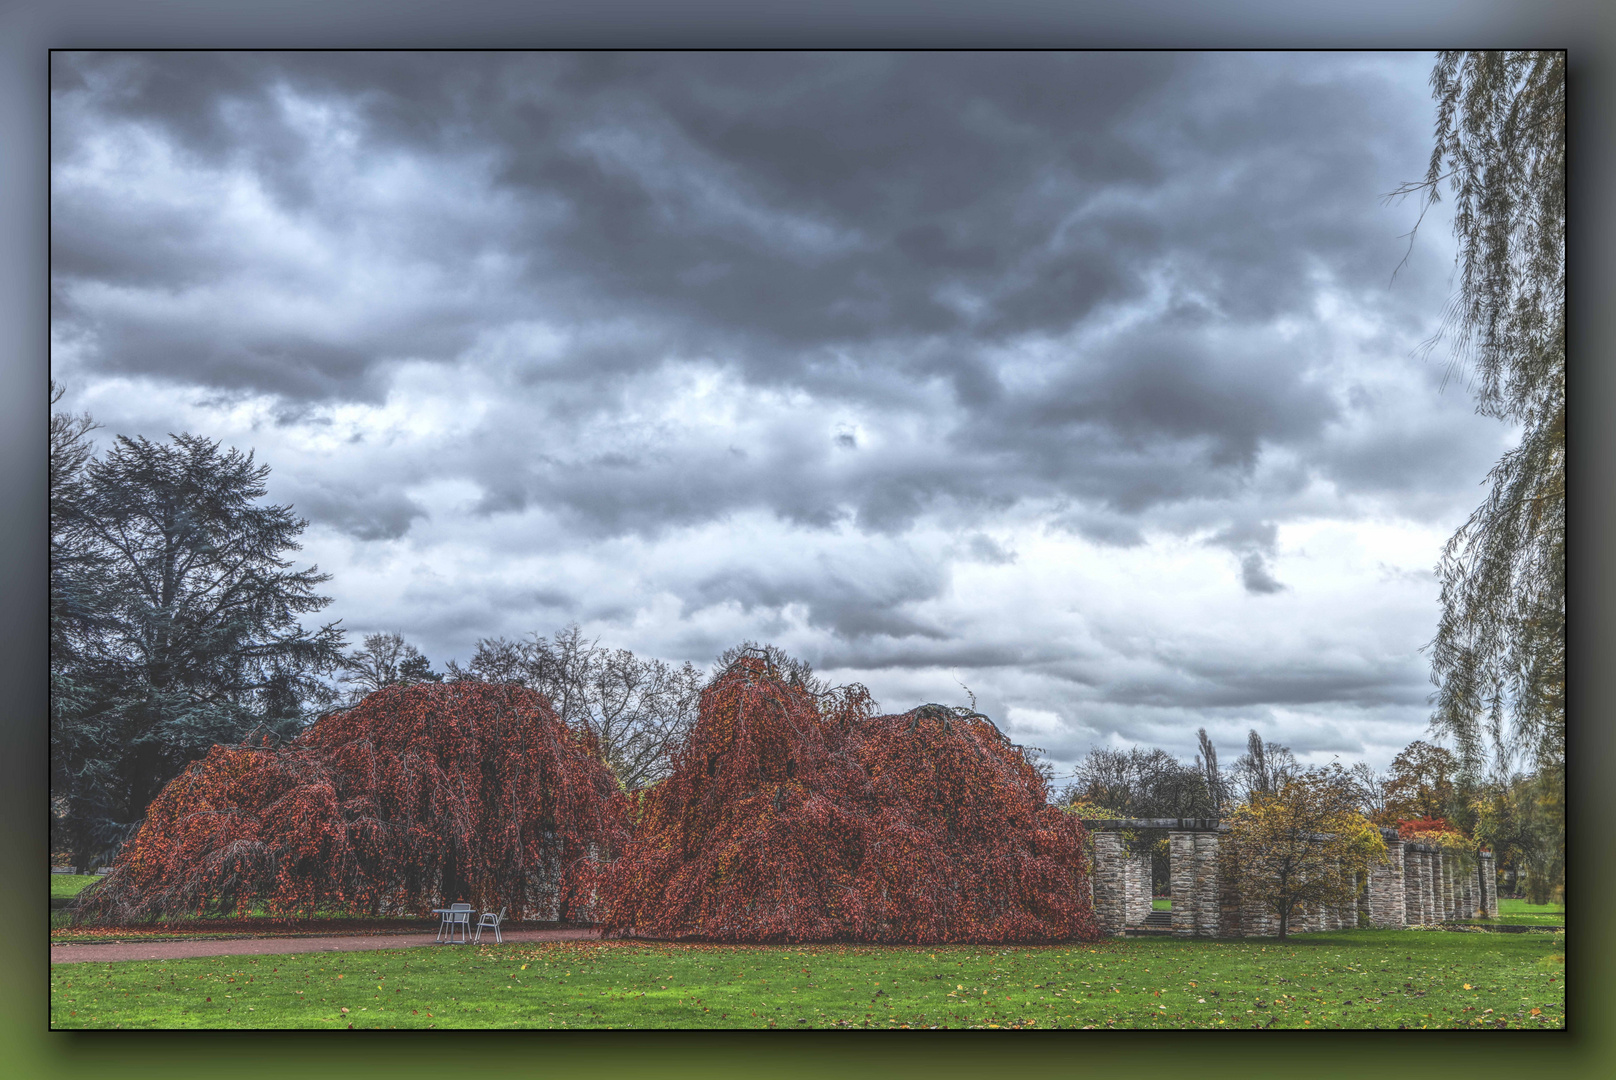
<point>1079,379</point>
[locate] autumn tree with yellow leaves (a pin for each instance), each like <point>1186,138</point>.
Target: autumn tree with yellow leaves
<point>1304,844</point>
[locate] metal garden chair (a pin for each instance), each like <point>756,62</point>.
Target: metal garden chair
<point>489,919</point>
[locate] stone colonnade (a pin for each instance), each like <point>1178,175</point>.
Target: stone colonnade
<point>1418,885</point>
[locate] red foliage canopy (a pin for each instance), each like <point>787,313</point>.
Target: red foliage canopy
<point>1410,829</point>
<point>413,798</point>
<point>788,818</point>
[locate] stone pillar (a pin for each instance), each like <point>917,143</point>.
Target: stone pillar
<point>1110,910</point>
<point>1416,881</point>
<point>1182,874</point>
<point>1467,894</point>
<point>1489,886</point>
<point>1409,886</point>
<point>1387,890</point>
<point>1423,872</point>
<point>1424,886</point>
<point>1206,884</point>
<point>1441,881</point>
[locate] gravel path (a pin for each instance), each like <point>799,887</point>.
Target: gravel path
<point>173,950</point>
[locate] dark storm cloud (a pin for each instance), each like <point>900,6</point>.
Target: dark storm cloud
<point>363,515</point>
<point>985,549</point>
<point>1254,575</point>
<point>957,653</point>
<point>854,606</point>
<point>1198,682</point>
<point>1253,542</point>
<point>767,207</point>
<point>855,295</point>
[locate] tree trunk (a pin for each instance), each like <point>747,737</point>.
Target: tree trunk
<point>1284,920</point>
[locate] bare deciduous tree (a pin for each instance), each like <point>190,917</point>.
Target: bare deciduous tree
<point>385,660</point>
<point>1264,767</point>
<point>1141,783</point>
<point>638,710</point>
<point>1374,794</point>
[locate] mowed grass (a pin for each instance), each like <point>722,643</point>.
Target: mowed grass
<point>1507,906</point>
<point>1521,913</point>
<point>1354,979</point>
<point>67,886</point>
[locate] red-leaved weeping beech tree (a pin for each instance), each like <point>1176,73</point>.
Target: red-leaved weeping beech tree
<point>791,816</point>
<point>416,797</point>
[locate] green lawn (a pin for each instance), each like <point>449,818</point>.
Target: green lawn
<point>1158,904</point>
<point>1386,979</point>
<point>1521,907</point>
<point>1520,913</point>
<point>67,886</point>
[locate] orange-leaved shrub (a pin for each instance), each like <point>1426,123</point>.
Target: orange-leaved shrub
<point>791,817</point>
<point>1435,831</point>
<point>416,797</point>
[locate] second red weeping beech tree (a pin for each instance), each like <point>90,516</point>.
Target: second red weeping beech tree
<point>416,797</point>
<point>791,818</point>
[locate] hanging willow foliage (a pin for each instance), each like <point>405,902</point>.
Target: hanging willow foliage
<point>796,817</point>
<point>417,797</point>
<point>1499,653</point>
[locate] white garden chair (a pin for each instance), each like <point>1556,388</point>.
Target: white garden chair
<point>489,919</point>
